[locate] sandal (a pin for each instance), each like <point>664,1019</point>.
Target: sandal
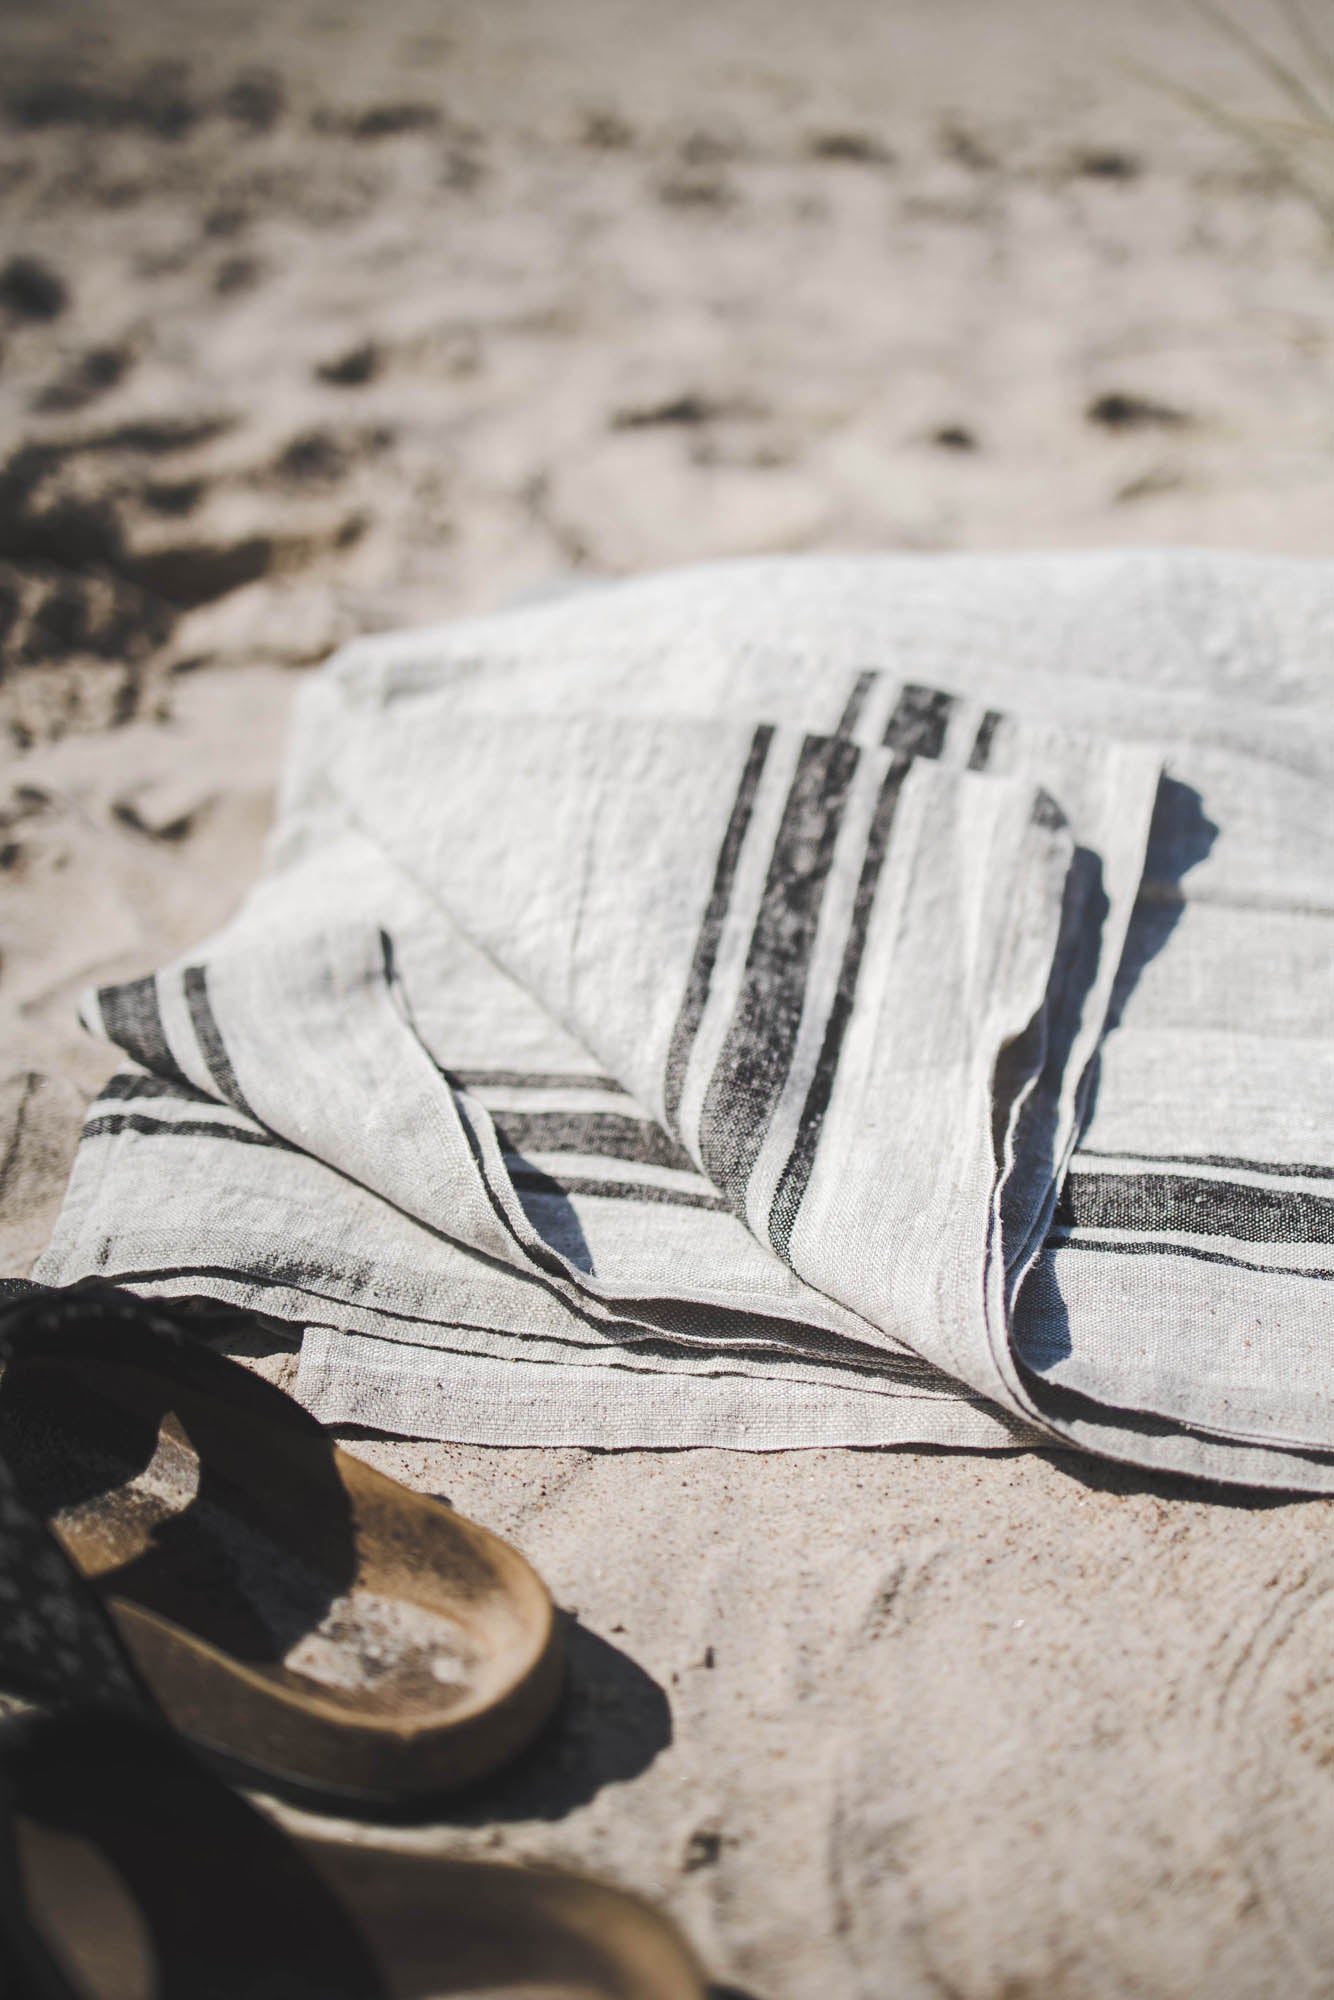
<point>308,1621</point>
<point>127,1869</point>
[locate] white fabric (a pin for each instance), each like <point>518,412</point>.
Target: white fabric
<point>670,1016</point>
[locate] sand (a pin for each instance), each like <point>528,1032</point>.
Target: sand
<point>317,322</point>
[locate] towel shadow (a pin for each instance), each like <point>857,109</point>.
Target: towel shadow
<point>1048,1039</point>
<point>548,1207</point>
<point>1181,835</point>
<point>1124,1482</point>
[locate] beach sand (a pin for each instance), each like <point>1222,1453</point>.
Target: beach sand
<point>318,321</point>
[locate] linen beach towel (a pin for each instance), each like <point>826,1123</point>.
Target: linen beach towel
<point>799,1002</point>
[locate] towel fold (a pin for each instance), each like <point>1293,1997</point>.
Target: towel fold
<point>814,1001</point>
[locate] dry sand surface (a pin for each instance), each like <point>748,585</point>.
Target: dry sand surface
<point>321,320</point>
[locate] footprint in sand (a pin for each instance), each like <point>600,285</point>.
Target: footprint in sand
<point>1275,1718</point>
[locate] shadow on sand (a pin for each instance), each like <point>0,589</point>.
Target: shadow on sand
<point>612,1722</point>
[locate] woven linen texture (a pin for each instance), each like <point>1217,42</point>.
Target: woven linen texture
<point>802,1002</point>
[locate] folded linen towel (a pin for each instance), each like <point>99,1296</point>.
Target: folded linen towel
<point>811,1001</point>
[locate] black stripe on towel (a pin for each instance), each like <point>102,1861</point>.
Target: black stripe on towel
<point>528,1079</point>
<point>919,722</point>
<point>530,1180</point>
<point>1281,1170</point>
<point>753,1063</point>
<point>1154,1203</point>
<point>700,978</point>
<point>604,1134</point>
<point>133,1021</point>
<point>1145,1247</point>
<point>797,1173</point>
<point>209,1036</point>
<point>179,1128</point>
<point>128,1087</point>
<point>980,754</point>
<point>856,702</point>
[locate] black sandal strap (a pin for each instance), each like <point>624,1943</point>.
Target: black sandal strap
<point>103,1323</point>
<point>233,1909</point>
<point>57,1643</point>
<point>146,1359</point>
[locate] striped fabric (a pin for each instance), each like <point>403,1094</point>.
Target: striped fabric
<point>790,1003</point>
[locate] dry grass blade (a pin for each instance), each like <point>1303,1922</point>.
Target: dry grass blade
<point>1317,53</point>
<point>1257,134</point>
<point>1284,144</point>
<point>1293,86</point>
<point>1290,131</point>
